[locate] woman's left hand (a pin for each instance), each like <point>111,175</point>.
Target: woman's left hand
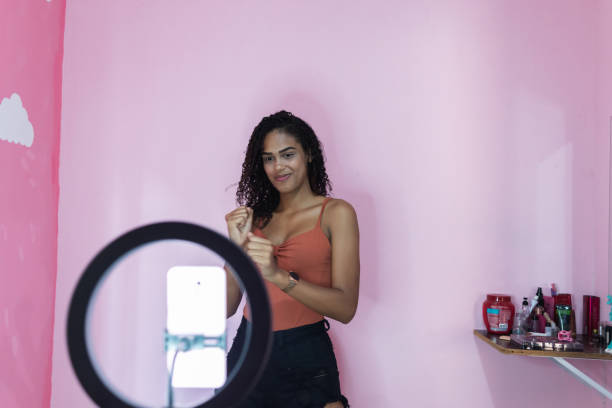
<point>261,252</point>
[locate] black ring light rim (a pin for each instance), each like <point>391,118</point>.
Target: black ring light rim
<point>253,358</point>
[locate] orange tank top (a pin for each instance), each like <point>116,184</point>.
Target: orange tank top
<point>309,255</point>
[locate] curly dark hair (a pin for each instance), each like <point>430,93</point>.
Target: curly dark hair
<point>254,188</point>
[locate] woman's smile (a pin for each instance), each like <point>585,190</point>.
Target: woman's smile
<point>282,178</point>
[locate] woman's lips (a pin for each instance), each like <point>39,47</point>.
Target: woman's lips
<point>282,178</point>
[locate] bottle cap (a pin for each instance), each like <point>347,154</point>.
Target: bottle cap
<point>498,297</point>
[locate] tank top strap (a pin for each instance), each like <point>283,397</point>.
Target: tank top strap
<point>322,209</point>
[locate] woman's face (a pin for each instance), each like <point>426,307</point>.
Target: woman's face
<point>284,161</point>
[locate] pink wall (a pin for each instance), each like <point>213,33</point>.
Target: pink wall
<point>604,118</point>
<point>31,46</point>
<point>468,135</point>
<point>604,135</point>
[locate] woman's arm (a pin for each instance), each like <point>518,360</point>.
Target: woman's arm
<point>340,301</point>
<point>239,224</point>
<point>233,292</point>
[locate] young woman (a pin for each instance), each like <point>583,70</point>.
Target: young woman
<point>306,246</point>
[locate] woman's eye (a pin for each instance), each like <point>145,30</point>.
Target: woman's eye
<point>289,155</point>
<point>267,158</point>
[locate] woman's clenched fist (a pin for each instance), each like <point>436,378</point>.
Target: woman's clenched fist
<point>239,224</point>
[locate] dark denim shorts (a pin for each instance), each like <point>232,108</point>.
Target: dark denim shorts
<point>301,372</point>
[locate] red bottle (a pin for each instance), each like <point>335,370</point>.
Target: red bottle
<point>590,315</point>
<point>498,313</point>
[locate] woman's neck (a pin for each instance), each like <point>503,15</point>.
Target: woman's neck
<point>296,200</point>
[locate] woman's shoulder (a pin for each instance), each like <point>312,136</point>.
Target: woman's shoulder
<point>338,204</point>
<point>338,209</point>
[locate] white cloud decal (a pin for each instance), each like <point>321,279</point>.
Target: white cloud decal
<point>15,126</point>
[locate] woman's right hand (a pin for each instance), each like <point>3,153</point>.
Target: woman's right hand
<point>239,223</point>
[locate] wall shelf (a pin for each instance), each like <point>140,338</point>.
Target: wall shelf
<point>591,352</point>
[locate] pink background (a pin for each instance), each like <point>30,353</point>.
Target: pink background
<point>472,138</point>
<point>604,118</point>
<point>31,38</point>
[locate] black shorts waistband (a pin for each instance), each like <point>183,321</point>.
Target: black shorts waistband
<point>320,326</point>
<point>295,333</point>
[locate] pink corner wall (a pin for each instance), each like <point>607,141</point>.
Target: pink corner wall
<point>469,135</point>
<point>31,46</point>
<point>604,117</point>
<point>604,135</point>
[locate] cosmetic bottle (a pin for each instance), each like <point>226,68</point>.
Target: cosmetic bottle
<point>590,315</point>
<point>524,316</point>
<point>518,323</point>
<point>563,311</point>
<point>498,313</point>
<point>540,297</point>
<point>553,290</point>
<point>536,299</point>
<point>525,307</point>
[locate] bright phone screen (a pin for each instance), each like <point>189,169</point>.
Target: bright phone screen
<point>196,305</point>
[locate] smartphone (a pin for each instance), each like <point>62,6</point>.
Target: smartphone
<point>196,305</point>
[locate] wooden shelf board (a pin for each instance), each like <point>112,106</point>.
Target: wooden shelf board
<point>591,352</point>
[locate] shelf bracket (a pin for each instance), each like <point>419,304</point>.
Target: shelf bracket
<point>582,376</point>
